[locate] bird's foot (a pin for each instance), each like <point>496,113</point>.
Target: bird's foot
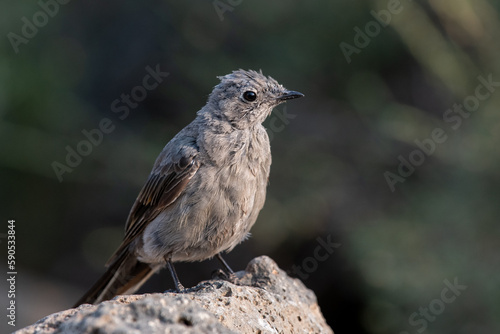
<point>180,288</point>
<point>224,275</point>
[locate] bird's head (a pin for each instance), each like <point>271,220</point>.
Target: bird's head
<point>246,98</point>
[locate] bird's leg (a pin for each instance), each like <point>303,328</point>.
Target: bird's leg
<point>178,286</point>
<point>230,272</point>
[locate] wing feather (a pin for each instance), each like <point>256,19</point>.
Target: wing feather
<point>163,187</point>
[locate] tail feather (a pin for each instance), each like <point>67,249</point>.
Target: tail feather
<point>124,276</point>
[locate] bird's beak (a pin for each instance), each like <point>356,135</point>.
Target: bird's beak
<point>290,95</point>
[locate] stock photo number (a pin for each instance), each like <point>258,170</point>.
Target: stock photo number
<point>11,272</point>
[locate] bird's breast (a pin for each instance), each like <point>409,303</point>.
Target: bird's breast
<point>219,204</point>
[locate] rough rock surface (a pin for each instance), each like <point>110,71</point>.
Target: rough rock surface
<point>263,300</point>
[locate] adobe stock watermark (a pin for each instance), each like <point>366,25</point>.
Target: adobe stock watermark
<point>225,6</point>
<point>425,315</point>
<point>121,107</point>
<point>321,253</point>
<point>453,118</point>
<point>11,272</point>
<point>30,27</point>
<point>278,120</point>
<point>372,29</point>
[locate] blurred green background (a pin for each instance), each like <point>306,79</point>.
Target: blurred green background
<point>372,90</point>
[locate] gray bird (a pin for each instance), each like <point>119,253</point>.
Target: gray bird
<point>206,188</point>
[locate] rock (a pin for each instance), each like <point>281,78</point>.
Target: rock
<point>262,300</point>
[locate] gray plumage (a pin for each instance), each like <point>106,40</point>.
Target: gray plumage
<point>206,188</point>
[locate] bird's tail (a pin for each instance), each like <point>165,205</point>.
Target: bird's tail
<point>125,275</point>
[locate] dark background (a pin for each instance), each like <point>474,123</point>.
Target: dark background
<point>360,116</point>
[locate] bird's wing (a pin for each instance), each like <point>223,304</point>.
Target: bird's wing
<point>164,185</point>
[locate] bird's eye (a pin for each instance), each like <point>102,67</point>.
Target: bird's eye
<point>249,96</point>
